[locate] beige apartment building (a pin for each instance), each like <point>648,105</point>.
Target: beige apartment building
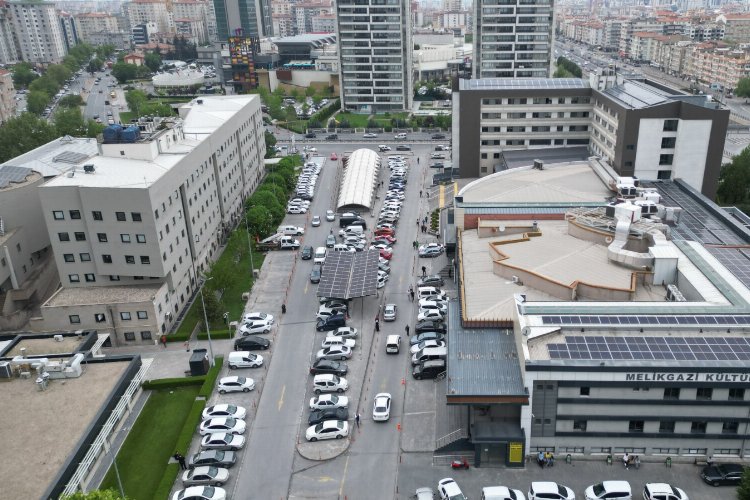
<point>37,31</point>
<point>736,27</point>
<point>7,96</point>
<point>133,226</point>
<point>90,23</point>
<point>149,11</point>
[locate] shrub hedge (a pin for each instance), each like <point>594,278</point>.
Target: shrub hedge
<point>208,385</point>
<point>166,383</point>
<point>167,481</point>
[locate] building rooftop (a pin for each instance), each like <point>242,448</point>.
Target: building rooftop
<point>72,296</point>
<point>636,95</point>
<point>206,114</point>
<point>56,156</point>
<point>312,39</point>
<point>522,83</point>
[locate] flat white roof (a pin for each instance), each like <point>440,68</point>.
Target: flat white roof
<point>54,158</point>
<point>359,179</point>
<point>206,114</point>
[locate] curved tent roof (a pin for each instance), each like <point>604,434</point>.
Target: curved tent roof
<point>359,180</point>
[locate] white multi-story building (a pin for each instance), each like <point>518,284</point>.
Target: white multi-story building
<point>149,11</point>
<point>195,9</point>
<point>375,51</point>
<point>512,39</point>
<point>132,226</point>
<point>8,52</point>
<point>90,23</point>
<point>37,31</point>
<point>191,29</point>
<point>68,27</point>
<point>7,96</point>
<point>324,23</point>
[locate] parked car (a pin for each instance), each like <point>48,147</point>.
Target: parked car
<point>501,493</point>
<point>722,474</point>
<point>330,241</point>
<point>222,425</point>
<point>430,314</point>
<point>328,401</point>
<point>222,441</point>
<point>340,352</point>
<point>329,366</point>
<point>549,490</point>
<point>224,410</point>
<point>428,369</point>
<point>381,408</point>
<point>307,252</point>
<point>327,382</point>
<point>235,384</point>
<point>310,135</point>
<point>431,280</point>
<point>431,250</point>
<point>332,137</point>
<point>318,416</point>
<point>254,327</point>
<point>663,491</point>
<point>421,337</point>
<point>330,323</point>
<point>200,492</point>
<point>426,343</point>
<point>606,490</point>
<point>251,343</point>
<point>315,273</point>
<point>205,475</point>
<point>347,332</point>
<point>430,326</point>
<point>328,429</point>
<point>389,312</point>
<point>217,458</point>
<point>449,490</point>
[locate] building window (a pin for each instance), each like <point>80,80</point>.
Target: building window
<point>704,393</point>
<point>730,427</point>
<point>85,257</point>
<point>106,258</point>
<point>69,257</point>
<point>579,425</point>
<point>80,236</point>
<point>90,278</point>
<point>58,215</point>
<point>140,238</point>
<point>75,214</point>
<point>74,278</point>
<point>102,237</point>
<point>125,316</point>
<point>736,394</point>
<point>664,175</point>
<point>670,125</point>
<point>74,319</point>
<point>114,277</point>
<point>100,317</point>
<point>635,426</point>
<point>672,393</point>
<point>666,159</point>
<point>666,427</point>
<point>668,142</point>
<point>630,147</point>
<point>97,215</point>
<point>146,335</point>
<point>129,336</point>
<point>145,259</point>
<point>63,236</point>
<point>120,216</point>
<point>585,391</point>
<point>125,238</point>
<point>136,216</point>
<point>142,314</point>
<point>129,259</point>
<point>698,427</point>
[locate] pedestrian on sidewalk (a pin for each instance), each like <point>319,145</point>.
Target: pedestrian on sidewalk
<point>424,271</point>
<point>406,329</point>
<point>417,222</point>
<point>377,325</point>
<point>357,419</point>
<point>181,460</point>
<point>420,193</point>
<point>163,341</point>
<point>187,345</point>
<point>412,295</point>
<point>283,308</point>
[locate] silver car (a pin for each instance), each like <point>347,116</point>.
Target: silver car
<point>208,475</point>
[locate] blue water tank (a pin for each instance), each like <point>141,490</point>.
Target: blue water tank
<point>112,133</point>
<point>131,134</point>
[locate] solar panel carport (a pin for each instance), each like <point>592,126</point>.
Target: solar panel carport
<point>359,181</point>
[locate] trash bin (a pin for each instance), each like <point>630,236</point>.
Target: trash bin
<point>199,364</point>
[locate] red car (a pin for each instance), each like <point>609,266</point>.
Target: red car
<point>388,237</point>
<point>334,157</point>
<point>384,239</point>
<point>384,231</point>
<point>386,254</point>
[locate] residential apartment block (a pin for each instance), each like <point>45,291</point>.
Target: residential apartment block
<point>375,49</point>
<point>7,96</point>
<point>91,23</point>
<point>69,31</point>
<point>133,226</point>
<point>37,32</point>
<point>243,17</point>
<point>8,52</point>
<point>196,10</point>
<point>638,129</point>
<point>736,27</point>
<point>512,39</point>
<point>149,11</point>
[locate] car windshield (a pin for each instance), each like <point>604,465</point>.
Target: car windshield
<point>213,471</point>
<point>241,380</point>
<point>598,489</point>
<point>231,409</point>
<point>564,493</point>
<point>231,422</point>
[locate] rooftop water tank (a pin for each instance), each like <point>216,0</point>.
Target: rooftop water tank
<point>112,133</point>
<point>131,134</point>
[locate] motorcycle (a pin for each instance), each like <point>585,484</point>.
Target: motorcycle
<point>460,464</point>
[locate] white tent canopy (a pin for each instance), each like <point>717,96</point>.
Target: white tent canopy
<point>359,180</point>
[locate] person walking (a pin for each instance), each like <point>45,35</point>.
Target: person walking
<point>412,295</point>
<point>377,325</point>
<point>420,193</point>
<point>163,341</point>
<point>180,460</point>
<point>406,329</point>
<point>424,271</point>
<point>357,418</point>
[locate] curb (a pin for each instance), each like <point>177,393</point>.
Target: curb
<point>313,451</point>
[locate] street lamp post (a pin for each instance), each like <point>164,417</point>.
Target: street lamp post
<point>249,246</point>
<point>108,448</point>
<point>208,328</point>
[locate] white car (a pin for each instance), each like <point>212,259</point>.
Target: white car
<point>235,384</point>
<point>347,332</point>
<point>316,221</point>
<point>328,401</point>
<point>324,311</point>
<point>258,316</point>
<point>389,312</point>
<point>205,475</point>
<point>663,491</point>
<point>426,305</point>
<point>224,410</point>
<point>330,215</point>
<point>222,441</point>
<point>502,493</point>
<point>332,340</point>
<point>296,210</point>
<point>429,314</point>
<point>549,490</point>
<point>449,490</point>
<point>370,135</point>
<point>383,147</point>
<point>335,352</point>
<point>616,490</point>
<point>381,408</point>
<point>328,382</point>
<point>381,282</point>
<point>328,429</point>
<point>426,343</point>
<point>255,327</point>
<point>222,425</point>
<point>200,493</point>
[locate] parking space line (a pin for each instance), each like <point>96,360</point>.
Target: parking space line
<point>281,399</point>
<point>343,477</point>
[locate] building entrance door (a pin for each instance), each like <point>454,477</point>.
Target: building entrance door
<point>493,454</point>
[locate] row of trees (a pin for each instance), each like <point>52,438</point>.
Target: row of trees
<point>139,104</point>
<point>567,69</point>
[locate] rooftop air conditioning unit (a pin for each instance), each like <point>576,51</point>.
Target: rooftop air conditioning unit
<point>58,338</point>
<point>5,369</point>
<point>674,294</point>
<point>539,164</point>
<point>89,169</point>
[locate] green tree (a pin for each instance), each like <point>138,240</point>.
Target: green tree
<point>58,73</point>
<point>136,100</point>
<point>260,221</point>
<point>70,101</point>
<point>124,72</point>
<point>219,277</point>
<point>71,63</point>
<point>24,133</point>
<point>93,128</point>
<point>69,121</point>
<point>743,88</point>
<point>310,91</point>
<point>37,101</point>
<point>277,190</point>
<point>294,94</point>
<point>270,139</point>
<point>153,61</point>
<point>734,181</point>
<point>213,306</point>
<point>110,494</point>
<point>743,490</point>
<point>94,65</point>
<point>23,75</point>
<point>104,51</point>
<point>45,84</point>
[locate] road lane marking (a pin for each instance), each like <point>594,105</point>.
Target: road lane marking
<point>281,399</point>
<point>343,477</point>
<point>305,288</point>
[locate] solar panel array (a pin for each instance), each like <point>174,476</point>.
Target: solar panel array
<point>348,275</point>
<point>526,83</point>
<point>651,320</point>
<point>71,157</point>
<point>10,174</point>
<point>652,348</point>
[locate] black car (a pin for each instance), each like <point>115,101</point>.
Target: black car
<point>332,137</point>
<point>252,343</point>
<point>307,252</point>
<point>315,273</point>
<point>318,416</point>
<point>437,165</point>
<point>428,369</point>
<point>722,474</point>
<point>331,323</point>
<point>421,337</point>
<point>310,135</point>
<point>403,147</point>
<point>438,136</point>
<point>430,325</point>
<point>329,366</point>
<point>432,280</point>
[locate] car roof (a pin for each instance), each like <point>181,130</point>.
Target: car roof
<point>731,467</point>
<point>544,487</point>
<point>659,487</point>
<point>323,376</point>
<point>616,485</point>
<point>450,486</point>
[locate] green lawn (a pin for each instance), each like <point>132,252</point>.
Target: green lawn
<point>360,121</point>
<point>126,116</point>
<point>151,442</point>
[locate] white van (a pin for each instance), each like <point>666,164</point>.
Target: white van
<point>429,354</point>
<point>244,359</point>
<point>320,255</point>
<point>392,344</point>
<point>400,135</point>
<point>427,291</point>
<point>350,230</point>
<point>340,248</point>
<point>291,230</point>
